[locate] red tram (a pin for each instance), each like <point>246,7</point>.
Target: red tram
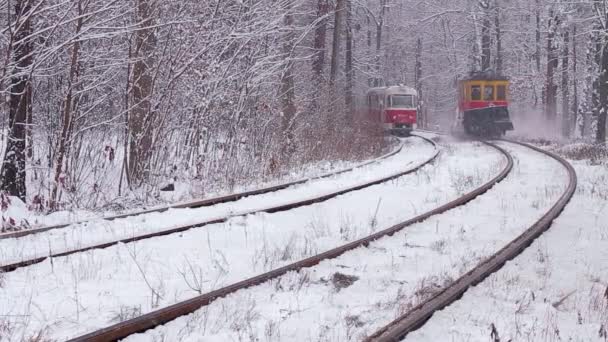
<point>483,105</point>
<point>396,108</point>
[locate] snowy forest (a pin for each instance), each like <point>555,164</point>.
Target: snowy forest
<point>106,101</point>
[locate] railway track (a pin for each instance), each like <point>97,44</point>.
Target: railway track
<point>416,317</point>
<point>12,266</point>
<point>203,202</point>
<point>165,315</point>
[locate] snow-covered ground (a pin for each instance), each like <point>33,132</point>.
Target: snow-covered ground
<point>350,297</point>
<point>557,290</point>
<point>183,191</point>
<point>95,232</point>
<point>76,294</point>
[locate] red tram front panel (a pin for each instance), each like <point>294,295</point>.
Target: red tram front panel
<point>401,116</point>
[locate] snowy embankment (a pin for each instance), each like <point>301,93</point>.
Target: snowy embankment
<point>100,231</point>
<point>76,294</point>
<point>557,290</point>
<point>185,190</point>
<point>350,297</point>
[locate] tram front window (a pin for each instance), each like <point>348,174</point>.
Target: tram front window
<point>402,101</point>
<point>475,93</point>
<point>488,93</point>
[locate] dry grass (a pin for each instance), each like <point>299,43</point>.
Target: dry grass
<point>596,153</point>
<point>126,313</point>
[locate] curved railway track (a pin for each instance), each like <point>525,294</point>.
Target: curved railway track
<point>415,318</point>
<point>204,202</point>
<point>284,207</point>
<point>165,315</point>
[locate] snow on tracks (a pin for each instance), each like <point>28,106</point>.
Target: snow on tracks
<point>33,249</point>
<point>451,291</point>
<point>556,290</point>
<point>153,319</point>
<point>199,203</point>
<point>87,290</point>
<point>350,297</point>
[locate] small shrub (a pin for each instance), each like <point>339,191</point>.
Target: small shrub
<point>342,281</point>
<point>126,313</point>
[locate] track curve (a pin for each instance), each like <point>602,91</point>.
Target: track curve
<point>415,318</point>
<point>284,207</point>
<point>162,316</point>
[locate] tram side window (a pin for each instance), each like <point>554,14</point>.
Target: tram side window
<point>475,93</point>
<point>488,93</point>
<point>501,93</point>
<point>373,101</point>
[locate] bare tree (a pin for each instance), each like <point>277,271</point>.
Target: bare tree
<point>602,83</point>
<point>566,120</point>
<point>320,37</point>
<point>486,36</point>
<point>288,85</point>
<point>142,116</point>
<point>349,59</point>
<point>13,166</point>
<point>335,51</point>
<point>575,81</point>
<point>498,29</point>
<point>418,81</point>
<point>552,65</point>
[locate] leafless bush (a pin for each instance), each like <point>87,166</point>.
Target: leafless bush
<point>126,313</point>
<point>494,333</point>
<point>341,281</point>
<point>6,327</point>
<point>352,323</point>
<point>318,227</point>
<point>462,181</point>
<point>193,276</point>
<point>597,154</point>
<point>272,331</point>
<point>431,285</point>
<point>348,228</point>
<point>439,246</point>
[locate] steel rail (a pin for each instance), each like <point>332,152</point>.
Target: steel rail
<point>415,318</point>
<point>165,315</point>
<point>201,202</point>
<point>284,207</point>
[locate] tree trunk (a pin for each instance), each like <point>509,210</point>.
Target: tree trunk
<point>575,101</point>
<point>320,38</point>
<point>29,131</point>
<point>602,83</point>
<point>537,55</point>
<point>486,44</point>
<point>349,59</point>
<point>142,117</point>
<point>13,168</point>
<point>566,86</point>
<point>68,104</point>
<point>552,64</point>
<point>335,53</point>
<point>498,40</point>
<point>418,80</point>
<point>593,78</point>
<point>288,87</point>
<point>378,81</point>
<point>603,94</point>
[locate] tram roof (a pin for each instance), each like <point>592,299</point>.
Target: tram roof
<point>394,90</point>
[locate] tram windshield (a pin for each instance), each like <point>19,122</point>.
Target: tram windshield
<point>403,101</point>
